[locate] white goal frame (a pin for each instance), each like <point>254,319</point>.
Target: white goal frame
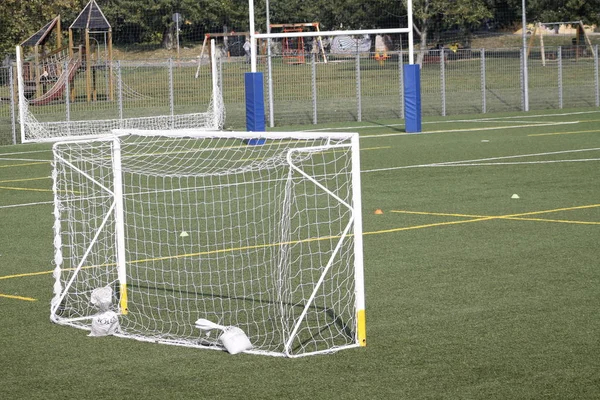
<point>33,130</point>
<point>81,165</point>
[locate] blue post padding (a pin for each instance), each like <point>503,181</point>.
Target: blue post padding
<point>255,102</point>
<point>412,97</point>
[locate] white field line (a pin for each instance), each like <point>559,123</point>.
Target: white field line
<point>491,128</point>
<point>490,119</point>
<point>535,116</point>
<point>24,152</point>
<point>471,162</point>
<point>514,163</point>
<point>27,204</point>
<point>450,163</point>
<point>496,120</point>
<point>521,155</point>
<point>23,159</point>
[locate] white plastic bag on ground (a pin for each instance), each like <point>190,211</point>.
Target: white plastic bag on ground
<point>233,338</point>
<point>106,322</point>
<point>102,298</point>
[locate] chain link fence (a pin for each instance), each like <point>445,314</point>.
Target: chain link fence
<point>360,87</point>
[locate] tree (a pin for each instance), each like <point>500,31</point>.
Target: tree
<point>340,14</point>
<point>20,19</point>
<point>564,10</point>
<point>446,14</point>
<point>153,23</point>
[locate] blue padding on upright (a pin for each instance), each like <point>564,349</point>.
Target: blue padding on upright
<point>255,102</point>
<point>412,97</point>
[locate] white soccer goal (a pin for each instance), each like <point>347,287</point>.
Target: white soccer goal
<point>260,233</point>
<point>33,130</point>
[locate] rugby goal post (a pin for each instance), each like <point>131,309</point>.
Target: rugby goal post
<point>186,225</point>
<point>34,130</point>
<point>254,35</point>
<point>412,87</point>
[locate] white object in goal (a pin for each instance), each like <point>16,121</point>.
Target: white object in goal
<point>33,130</point>
<point>189,225</point>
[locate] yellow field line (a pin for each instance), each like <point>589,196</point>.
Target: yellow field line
<point>25,189</point>
<point>376,148</point>
<point>564,221</point>
<point>21,165</point>
<point>25,179</point>
<point>410,228</point>
<point>27,274</point>
<point>474,218</point>
<point>8,296</point>
<point>499,216</point>
<point>439,214</point>
<point>178,256</point>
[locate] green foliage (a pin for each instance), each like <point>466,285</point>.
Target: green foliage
<point>440,15</point>
<point>565,10</point>
<point>151,22</point>
<point>20,19</point>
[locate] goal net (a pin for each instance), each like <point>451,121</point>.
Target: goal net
<point>261,234</point>
<point>61,124</point>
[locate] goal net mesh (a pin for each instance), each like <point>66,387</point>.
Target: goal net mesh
<point>261,237</point>
<point>35,130</point>
<point>49,116</point>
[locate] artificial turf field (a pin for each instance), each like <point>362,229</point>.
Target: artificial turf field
<point>470,293</point>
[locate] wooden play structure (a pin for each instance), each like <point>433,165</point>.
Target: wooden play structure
<point>293,48</point>
<point>51,67</point>
<point>91,24</point>
<point>46,48</point>
<point>578,44</point>
<point>224,37</point>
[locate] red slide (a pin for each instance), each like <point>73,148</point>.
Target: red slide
<point>59,87</point>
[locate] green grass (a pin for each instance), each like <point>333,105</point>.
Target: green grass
<point>470,294</point>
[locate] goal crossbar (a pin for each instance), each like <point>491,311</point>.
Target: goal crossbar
<point>331,33</point>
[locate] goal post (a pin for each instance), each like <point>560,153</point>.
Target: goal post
<point>40,121</point>
<point>254,35</point>
<point>189,224</point>
<point>412,91</point>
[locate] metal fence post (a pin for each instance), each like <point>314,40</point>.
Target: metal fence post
<point>522,77</point>
<point>269,86</point>
<point>401,82</point>
<point>358,91</point>
<point>596,83</point>
<point>483,82</point>
<point>221,81</point>
<point>313,77</point>
<point>560,77</point>
<point>171,93</point>
<point>443,81</point>
<point>67,94</point>
<point>119,90</point>
<point>13,114</point>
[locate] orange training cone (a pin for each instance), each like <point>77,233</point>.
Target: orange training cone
<point>379,211</point>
